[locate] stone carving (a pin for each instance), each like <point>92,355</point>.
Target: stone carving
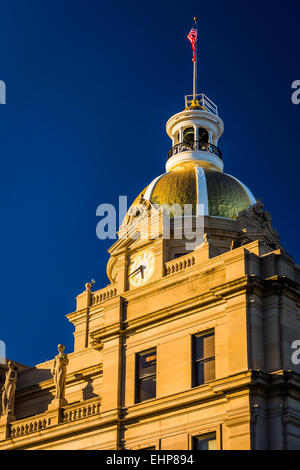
<point>257,224</point>
<point>59,372</point>
<point>141,210</point>
<point>257,212</point>
<point>8,390</point>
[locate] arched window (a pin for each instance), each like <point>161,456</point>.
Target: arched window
<point>188,136</point>
<point>202,135</point>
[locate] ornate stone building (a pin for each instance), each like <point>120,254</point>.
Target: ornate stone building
<point>187,347</point>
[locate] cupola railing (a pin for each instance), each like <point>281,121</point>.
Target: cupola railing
<point>203,101</point>
<point>196,145</point>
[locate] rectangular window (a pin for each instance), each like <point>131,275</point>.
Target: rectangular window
<point>203,351</point>
<point>205,442</point>
<point>146,375</point>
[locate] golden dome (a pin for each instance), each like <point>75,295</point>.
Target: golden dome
<point>222,195</point>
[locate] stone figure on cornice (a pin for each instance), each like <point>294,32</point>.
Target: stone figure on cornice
<point>8,390</point>
<point>59,372</point>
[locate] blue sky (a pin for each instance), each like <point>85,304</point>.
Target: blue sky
<point>90,86</point>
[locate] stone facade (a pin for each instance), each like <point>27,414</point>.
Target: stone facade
<point>239,284</point>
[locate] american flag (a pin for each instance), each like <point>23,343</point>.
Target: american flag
<point>192,37</point>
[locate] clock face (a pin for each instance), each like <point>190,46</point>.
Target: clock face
<point>141,268</point>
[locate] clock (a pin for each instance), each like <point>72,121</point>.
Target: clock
<point>141,268</point>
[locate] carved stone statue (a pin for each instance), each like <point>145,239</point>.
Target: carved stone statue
<point>59,372</point>
<point>8,390</point>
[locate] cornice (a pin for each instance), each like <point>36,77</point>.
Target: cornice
<point>222,390</point>
<point>219,389</point>
<point>107,331</point>
<point>274,285</point>
<point>187,307</point>
<point>74,317</point>
<point>275,382</point>
<point>247,284</point>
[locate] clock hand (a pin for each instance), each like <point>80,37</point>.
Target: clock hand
<point>136,270</point>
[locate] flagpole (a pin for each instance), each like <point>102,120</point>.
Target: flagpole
<point>194,84</point>
<point>195,70</point>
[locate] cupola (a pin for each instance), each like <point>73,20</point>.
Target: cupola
<point>195,133</point>
<point>194,168</point>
